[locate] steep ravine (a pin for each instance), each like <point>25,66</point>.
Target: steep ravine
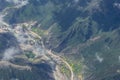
<point>29,41</point>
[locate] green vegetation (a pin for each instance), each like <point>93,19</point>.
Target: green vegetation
<point>35,11</point>
<point>76,65</point>
<point>38,31</point>
<point>74,29</point>
<point>1,44</point>
<point>16,74</point>
<point>65,70</point>
<point>30,55</point>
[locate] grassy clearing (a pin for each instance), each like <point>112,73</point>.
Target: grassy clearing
<point>76,65</point>
<point>38,31</point>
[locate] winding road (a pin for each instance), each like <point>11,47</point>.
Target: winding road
<point>70,68</point>
<point>56,56</point>
<point>36,35</point>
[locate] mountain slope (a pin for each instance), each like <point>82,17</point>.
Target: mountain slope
<point>83,31</point>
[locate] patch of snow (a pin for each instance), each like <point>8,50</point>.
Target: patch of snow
<point>95,38</point>
<point>100,59</point>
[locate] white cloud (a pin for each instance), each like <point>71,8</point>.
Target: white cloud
<point>10,52</point>
<point>13,1</point>
<point>18,3</point>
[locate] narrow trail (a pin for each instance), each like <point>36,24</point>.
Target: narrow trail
<point>56,56</point>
